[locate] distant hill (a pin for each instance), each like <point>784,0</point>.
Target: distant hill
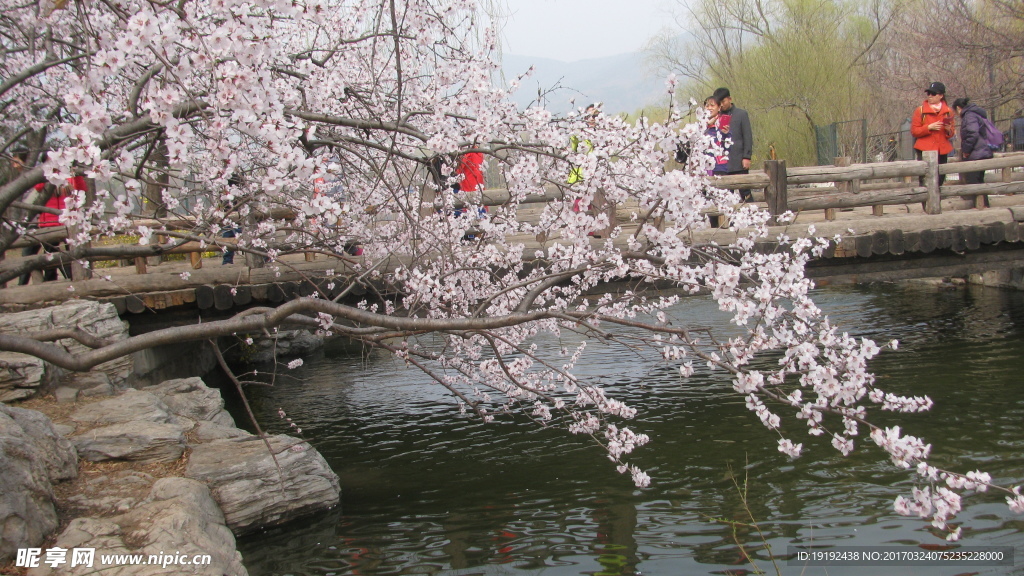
<point>621,82</point>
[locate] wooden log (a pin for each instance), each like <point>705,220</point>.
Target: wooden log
<point>196,259</point>
<point>897,242</point>
<point>259,292</point>
<point>204,297</point>
<point>754,180</point>
<point>880,242</point>
<point>155,281</point>
<point>1005,188</point>
<point>933,204</point>
<point>912,242</point>
<point>140,265</point>
<point>223,299</point>
<point>864,245</point>
<point>119,304</point>
<point>611,210</point>
<point>1012,232</point>
<point>134,304</point>
<point>243,295</point>
<point>776,193</point>
<point>997,163</point>
<point>321,287</point>
<point>997,232</point>
<point>959,239</point>
<point>944,238</point>
<point>888,185</point>
<point>929,242</point>
<point>821,174</point>
<point>843,187</point>
<point>275,293</point>
<point>972,237</point>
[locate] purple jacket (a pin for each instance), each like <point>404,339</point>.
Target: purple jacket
<point>972,143</point>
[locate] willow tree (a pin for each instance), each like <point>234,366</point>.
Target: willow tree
<point>259,101</point>
<point>794,64</point>
<point>975,47</point>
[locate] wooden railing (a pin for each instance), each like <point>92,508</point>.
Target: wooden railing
<point>875,185</point>
<point>845,186</point>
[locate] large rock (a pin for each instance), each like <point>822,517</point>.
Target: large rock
<point>138,441</point>
<point>136,426</point>
<point>128,407</point>
<point>98,319</point>
<point>177,520</point>
<point>192,398</point>
<point>257,487</point>
<point>109,494</point>
<point>22,376</point>
<point>32,457</point>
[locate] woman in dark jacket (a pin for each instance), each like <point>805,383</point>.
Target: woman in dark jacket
<point>972,143</point>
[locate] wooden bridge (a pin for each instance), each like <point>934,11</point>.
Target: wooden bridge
<point>895,222</point>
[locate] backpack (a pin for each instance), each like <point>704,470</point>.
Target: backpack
<point>991,135</point>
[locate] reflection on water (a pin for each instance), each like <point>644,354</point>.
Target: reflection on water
<point>427,491</point>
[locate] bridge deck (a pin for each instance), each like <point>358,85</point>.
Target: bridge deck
<point>905,233</point>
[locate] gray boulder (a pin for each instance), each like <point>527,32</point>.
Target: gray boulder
<point>131,406</point>
<point>110,494</point>
<point>257,487</point>
<point>22,376</point>
<point>140,441</point>
<point>192,398</point>
<point>33,456</point>
<point>178,520</point>
<point>96,318</point>
<point>208,431</point>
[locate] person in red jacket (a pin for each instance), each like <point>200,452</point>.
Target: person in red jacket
<point>56,201</point>
<point>932,124</point>
<point>470,168</point>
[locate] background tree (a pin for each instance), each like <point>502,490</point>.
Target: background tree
<point>975,48</point>
<point>376,95</point>
<point>794,64</point>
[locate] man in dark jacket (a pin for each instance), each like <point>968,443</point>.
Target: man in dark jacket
<point>973,145</point>
<point>742,138</point>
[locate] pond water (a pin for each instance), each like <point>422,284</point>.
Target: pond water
<point>428,491</point>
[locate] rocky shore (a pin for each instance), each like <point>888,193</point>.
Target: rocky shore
<point>160,472</point>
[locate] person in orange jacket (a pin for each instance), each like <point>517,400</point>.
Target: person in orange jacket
<point>932,124</point>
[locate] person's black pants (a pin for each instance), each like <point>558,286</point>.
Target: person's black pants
<point>49,274</point>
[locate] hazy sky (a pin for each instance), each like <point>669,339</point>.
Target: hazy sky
<point>571,30</point>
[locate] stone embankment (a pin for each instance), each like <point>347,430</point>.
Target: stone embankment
<point>150,471</point>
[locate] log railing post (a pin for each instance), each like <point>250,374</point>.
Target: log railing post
<point>602,205</point>
<point>933,205</point>
<point>841,186</point>
<point>776,193</point>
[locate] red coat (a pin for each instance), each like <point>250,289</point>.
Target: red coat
<point>469,168</point>
<point>47,220</point>
<point>926,139</point>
